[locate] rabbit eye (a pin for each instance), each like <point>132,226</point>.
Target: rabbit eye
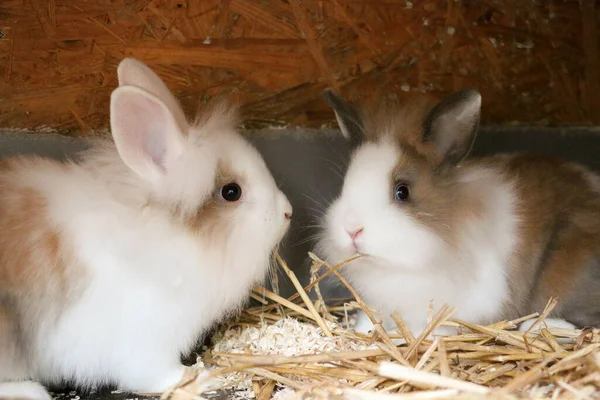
<point>231,192</point>
<point>401,192</point>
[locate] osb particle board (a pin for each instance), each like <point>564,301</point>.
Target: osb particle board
<point>535,62</point>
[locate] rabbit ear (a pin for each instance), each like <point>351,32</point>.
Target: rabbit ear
<point>132,72</point>
<point>348,117</point>
<point>145,131</point>
<point>452,125</point>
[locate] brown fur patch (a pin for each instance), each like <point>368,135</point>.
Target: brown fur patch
<point>29,247</point>
<point>212,218</point>
<point>37,273</point>
<point>403,121</point>
<point>559,230</point>
<point>436,200</point>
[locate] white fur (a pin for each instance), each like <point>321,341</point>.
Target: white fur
<point>548,322</point>
<point>406,265</point>
<point>25,390</point>
<point>363,323</point>
<point>149,285</point>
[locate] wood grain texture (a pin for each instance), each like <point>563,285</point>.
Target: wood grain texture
<point>535,62</point>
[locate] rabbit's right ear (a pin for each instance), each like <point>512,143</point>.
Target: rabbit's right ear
<point>452,125</point>
<point>132,72</point>
<point>348,117</point>
<point>146,133</point>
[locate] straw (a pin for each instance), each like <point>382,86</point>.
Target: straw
<point>264,353</point>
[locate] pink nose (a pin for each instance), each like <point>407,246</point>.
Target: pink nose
<point>288,215</point>
<point>354,234</point>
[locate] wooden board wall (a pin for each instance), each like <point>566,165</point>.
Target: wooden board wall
<point>535,61</point>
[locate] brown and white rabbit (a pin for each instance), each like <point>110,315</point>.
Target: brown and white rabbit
<point>494,237</point>
<point>113,266</point>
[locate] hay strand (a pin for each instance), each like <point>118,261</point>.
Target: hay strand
<point>302,292</point>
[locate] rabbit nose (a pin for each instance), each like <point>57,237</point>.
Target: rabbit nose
<point>354,233</point>
<point>288,215</point>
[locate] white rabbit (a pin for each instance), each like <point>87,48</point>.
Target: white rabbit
<point>494,237</point>
<point>113,266</point>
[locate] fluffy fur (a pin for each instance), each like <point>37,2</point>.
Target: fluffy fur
<point>111,267</point>
<point>495,237</point>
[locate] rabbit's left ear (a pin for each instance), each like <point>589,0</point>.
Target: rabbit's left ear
<point>452,125</point>
<point>348,117</point>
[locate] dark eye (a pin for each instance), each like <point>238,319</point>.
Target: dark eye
<point>231,192</point>
<point>401,192</point>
